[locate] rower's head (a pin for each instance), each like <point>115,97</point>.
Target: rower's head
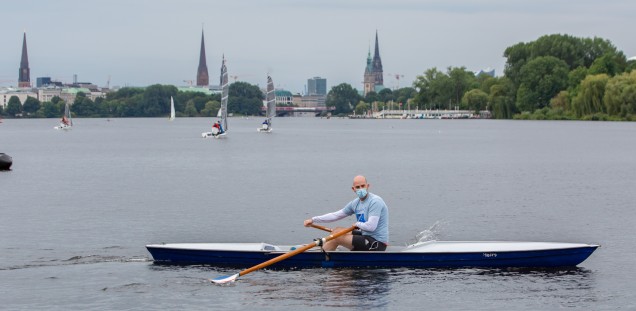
<point>360,186</point>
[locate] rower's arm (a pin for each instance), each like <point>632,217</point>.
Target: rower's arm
<point>368,225</point>
<point>331,217</point>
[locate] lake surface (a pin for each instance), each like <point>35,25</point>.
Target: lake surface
<point>79,206</point>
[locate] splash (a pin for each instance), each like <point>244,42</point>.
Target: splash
<point>430,234</point>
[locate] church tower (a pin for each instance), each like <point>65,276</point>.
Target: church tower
<point>202,73</point>
<point>373,73</point>
<point>24,75</point>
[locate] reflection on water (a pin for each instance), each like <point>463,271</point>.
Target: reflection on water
<point>528,287</point>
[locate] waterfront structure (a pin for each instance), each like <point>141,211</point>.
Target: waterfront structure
<point>21,94</point>
<point>373,72</point>
<point>202,72</point>
<point>317,86</point>
<point>24,75</point>
<point>283,98</point>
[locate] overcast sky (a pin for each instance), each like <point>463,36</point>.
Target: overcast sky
<point>143,42</point>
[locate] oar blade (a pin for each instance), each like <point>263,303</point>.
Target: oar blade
<point>225,279</point>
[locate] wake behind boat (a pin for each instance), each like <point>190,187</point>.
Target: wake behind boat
<point>431,254</point>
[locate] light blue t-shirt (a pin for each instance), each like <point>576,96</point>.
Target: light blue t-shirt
<point>373,205</point>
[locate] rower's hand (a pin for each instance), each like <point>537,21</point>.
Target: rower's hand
<point>308,222</point>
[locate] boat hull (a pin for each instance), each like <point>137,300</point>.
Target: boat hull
<point>568,256</point>
<point>5,162</point>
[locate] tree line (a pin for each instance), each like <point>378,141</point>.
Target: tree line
<point>152,101</point>
<point>554,77</point>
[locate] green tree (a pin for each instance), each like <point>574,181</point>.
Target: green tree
<point>475,100</point>
<point>620,95</point>
<point>343,97</point>
<point>541,79</point>
<point>84,106</point>
<point>561,101</point>
<point>589,100</point>
<point>372,97</point>
<point>49,110</point>
<point>404,94</point>
<point>211,109</point>
<point>190,109</point>
<point>610,64</point>
<point>362,108</point>
<point>245,99</point>
<point>156,100</point>
<point>461,81</point>
<point>386,95</point>
<point>434,89</point>
<point>31,105</point>
<point>502,99</point>
<point>14,106</point>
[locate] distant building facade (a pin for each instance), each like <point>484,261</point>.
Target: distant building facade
<point>202,72</point>
<point>24,75</point>
<point>373,72</point>
<point>317,86</point>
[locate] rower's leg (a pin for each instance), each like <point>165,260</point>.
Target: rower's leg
<point>343,240</point>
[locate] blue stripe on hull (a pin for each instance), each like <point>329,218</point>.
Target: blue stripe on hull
<point>544,258</point>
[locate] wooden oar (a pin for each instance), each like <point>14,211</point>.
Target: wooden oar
<point>321,228</point>
<point>317,242</point>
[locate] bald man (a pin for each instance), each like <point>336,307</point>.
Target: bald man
<point>372,217</point>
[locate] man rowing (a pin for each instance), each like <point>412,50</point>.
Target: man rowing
<point>372,217</point>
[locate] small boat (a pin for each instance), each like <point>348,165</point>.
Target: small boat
<point>5,162</point>
<point>67,121</point>
<point>222,115</point>
<point>266,127</point>
<point>430,254</point>
<point>172,114</point>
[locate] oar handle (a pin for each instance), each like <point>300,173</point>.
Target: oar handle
<point>321,228</point>
<point>297,251</point>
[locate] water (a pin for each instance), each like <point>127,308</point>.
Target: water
<point>79,206</point>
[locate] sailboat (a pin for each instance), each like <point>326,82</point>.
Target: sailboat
<point>66,123</point>
<point>172,115</point>
<point>221,130</point>
<point>266,127</point>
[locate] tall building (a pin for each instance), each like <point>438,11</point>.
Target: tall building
<point>202,73</point>
<point>317,86</point>
<point>24,76</point>
<point>373,73</point>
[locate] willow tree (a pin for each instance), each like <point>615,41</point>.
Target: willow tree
<point>589,100</point>
<point>620,94</point>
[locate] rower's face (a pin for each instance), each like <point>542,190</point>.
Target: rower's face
<point>359,183</point>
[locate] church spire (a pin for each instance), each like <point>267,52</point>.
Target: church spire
<point>24,74</point>
<point>377,63</point>
<point>202,72</point>
<point>377,47</point>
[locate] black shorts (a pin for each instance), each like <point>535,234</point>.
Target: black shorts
<point>366,243</point>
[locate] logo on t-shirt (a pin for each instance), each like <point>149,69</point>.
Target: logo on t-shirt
<point>360,217</point>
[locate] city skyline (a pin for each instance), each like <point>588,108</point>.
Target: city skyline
<point>143,42</point>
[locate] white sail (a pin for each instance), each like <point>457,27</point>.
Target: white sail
<point>225,88</point>
<point>172,114</point>
<point>270,97</point>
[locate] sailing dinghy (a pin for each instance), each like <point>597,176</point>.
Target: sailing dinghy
<point>67,122</point>
<point>266,127</point>
<point>225,88</point>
